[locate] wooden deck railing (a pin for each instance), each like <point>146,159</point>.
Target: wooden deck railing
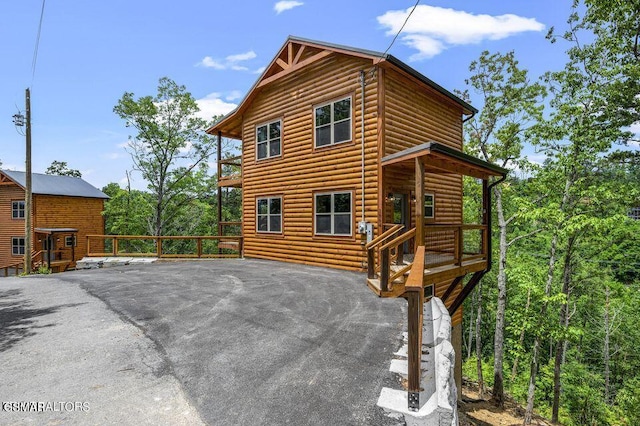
<point>206,246</point>
<point>453,244</point>
<point>373,246</point>
<point>236,167</point>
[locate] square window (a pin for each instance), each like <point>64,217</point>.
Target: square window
<point>17,246</point>
<point>269,214</point>
<point>333,122</point>
<point>17,209</point>
<point>333,213</point>
<point>268,140</point>
<point>429,206</point>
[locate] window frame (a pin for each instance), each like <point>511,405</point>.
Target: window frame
<point>268,140</point>
<point>268,215</point>
<point>333,213</point>
<point>14,246</point>
<point>73,239</point>
<point>332,122</point>
<point>432,205</point>
<point>15,212</point>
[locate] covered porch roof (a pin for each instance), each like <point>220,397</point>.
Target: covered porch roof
<point>439,158</point>
<point>51,231</point>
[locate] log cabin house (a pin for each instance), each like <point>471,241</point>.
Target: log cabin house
<point>352,159</point>
<point>64,211</point>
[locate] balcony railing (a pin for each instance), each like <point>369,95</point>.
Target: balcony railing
<point>201,246</point>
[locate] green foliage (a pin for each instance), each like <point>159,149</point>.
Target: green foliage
<point>43,270</point>
<point>60,168</point>
<point>170,149</point>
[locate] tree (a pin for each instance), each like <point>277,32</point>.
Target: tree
<point>170,148</point>
<point>60,168</point>
<point>511,105</point>
<point>594,100</point>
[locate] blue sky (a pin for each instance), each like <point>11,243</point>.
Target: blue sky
<point>90,53</point>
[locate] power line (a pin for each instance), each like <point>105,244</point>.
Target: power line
<point>401,28</point>
<point>35,50</point>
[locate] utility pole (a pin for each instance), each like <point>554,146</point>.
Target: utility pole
<point>28,243</point>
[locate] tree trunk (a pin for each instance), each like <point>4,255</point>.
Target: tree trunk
<point>528,414</point>
<point>514,369</point>
<point>498,339</point>
<point>564,323</point>
<point>607,355</point>
<point>471,322</point>
<point>479,343</point>
<point>543,310</point>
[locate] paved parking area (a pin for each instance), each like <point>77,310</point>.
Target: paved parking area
<point>245,342</point>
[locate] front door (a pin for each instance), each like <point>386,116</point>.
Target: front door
<point>402,215</point>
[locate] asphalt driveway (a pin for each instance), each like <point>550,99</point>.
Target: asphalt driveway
<point>233,342</point>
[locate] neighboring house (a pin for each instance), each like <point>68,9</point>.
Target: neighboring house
<point>64,211</point>
<point>338,145</point>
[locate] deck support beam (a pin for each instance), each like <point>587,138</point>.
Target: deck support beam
<point>451,287</point>
<point>415,300</point>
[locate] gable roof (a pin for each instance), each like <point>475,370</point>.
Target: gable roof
<point>289,59</point>
<point>55,185</point>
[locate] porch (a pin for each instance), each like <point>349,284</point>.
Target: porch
<point>410,259</point>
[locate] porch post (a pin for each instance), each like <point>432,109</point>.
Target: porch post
<point>419,203</point>
<point>219,190</point>
<point>486,220</point>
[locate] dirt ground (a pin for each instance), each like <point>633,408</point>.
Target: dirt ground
<point>474,411</point>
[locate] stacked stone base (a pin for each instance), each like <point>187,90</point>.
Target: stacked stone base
<point>438,398</point>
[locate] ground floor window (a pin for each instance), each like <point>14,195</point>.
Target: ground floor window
<point>333,213</point>
<point>269,214</point>
<point>429,206</point>
<point>17,246</point>
<point>70,241</point>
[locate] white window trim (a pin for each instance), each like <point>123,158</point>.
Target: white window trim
<point>332,123</point>
<point>332,214</point>
<point>268,141</point>
<point>433,205</point>
<point>23,209</point>
<point>269,214</point>
<point>17,245</point>
<point>75,240</point>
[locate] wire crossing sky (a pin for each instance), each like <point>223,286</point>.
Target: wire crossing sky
<point>87,54</point>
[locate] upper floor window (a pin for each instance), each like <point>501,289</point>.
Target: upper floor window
<point>17,209</point>
<point>333,213</point>
<point>268,137</point>
<point>269,214</point>
<point>17,246</point>
<point>333,122</point>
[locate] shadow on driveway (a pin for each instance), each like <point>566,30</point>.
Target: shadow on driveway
<point>258,342</point>
<point>18,319</point>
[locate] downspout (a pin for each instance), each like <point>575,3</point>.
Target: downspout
<point>489,251</point>
<point>362,86</point>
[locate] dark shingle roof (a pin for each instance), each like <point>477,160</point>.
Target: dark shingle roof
<point>56,185</point>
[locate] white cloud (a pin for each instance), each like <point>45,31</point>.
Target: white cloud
<point>230,62</point>
<point>212,105</point>
<point>260,70</point>
<point>432,29</point>
<point>242,56</point>
<point>283,5</point>
<point>124,144</point>
<point>635,128</point>
<point>209,62</point>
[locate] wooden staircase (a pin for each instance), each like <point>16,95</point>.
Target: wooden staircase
<point>387,276</point>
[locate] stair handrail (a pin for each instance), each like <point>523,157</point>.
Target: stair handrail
<point>386,234</point>
<point>386,258</point>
